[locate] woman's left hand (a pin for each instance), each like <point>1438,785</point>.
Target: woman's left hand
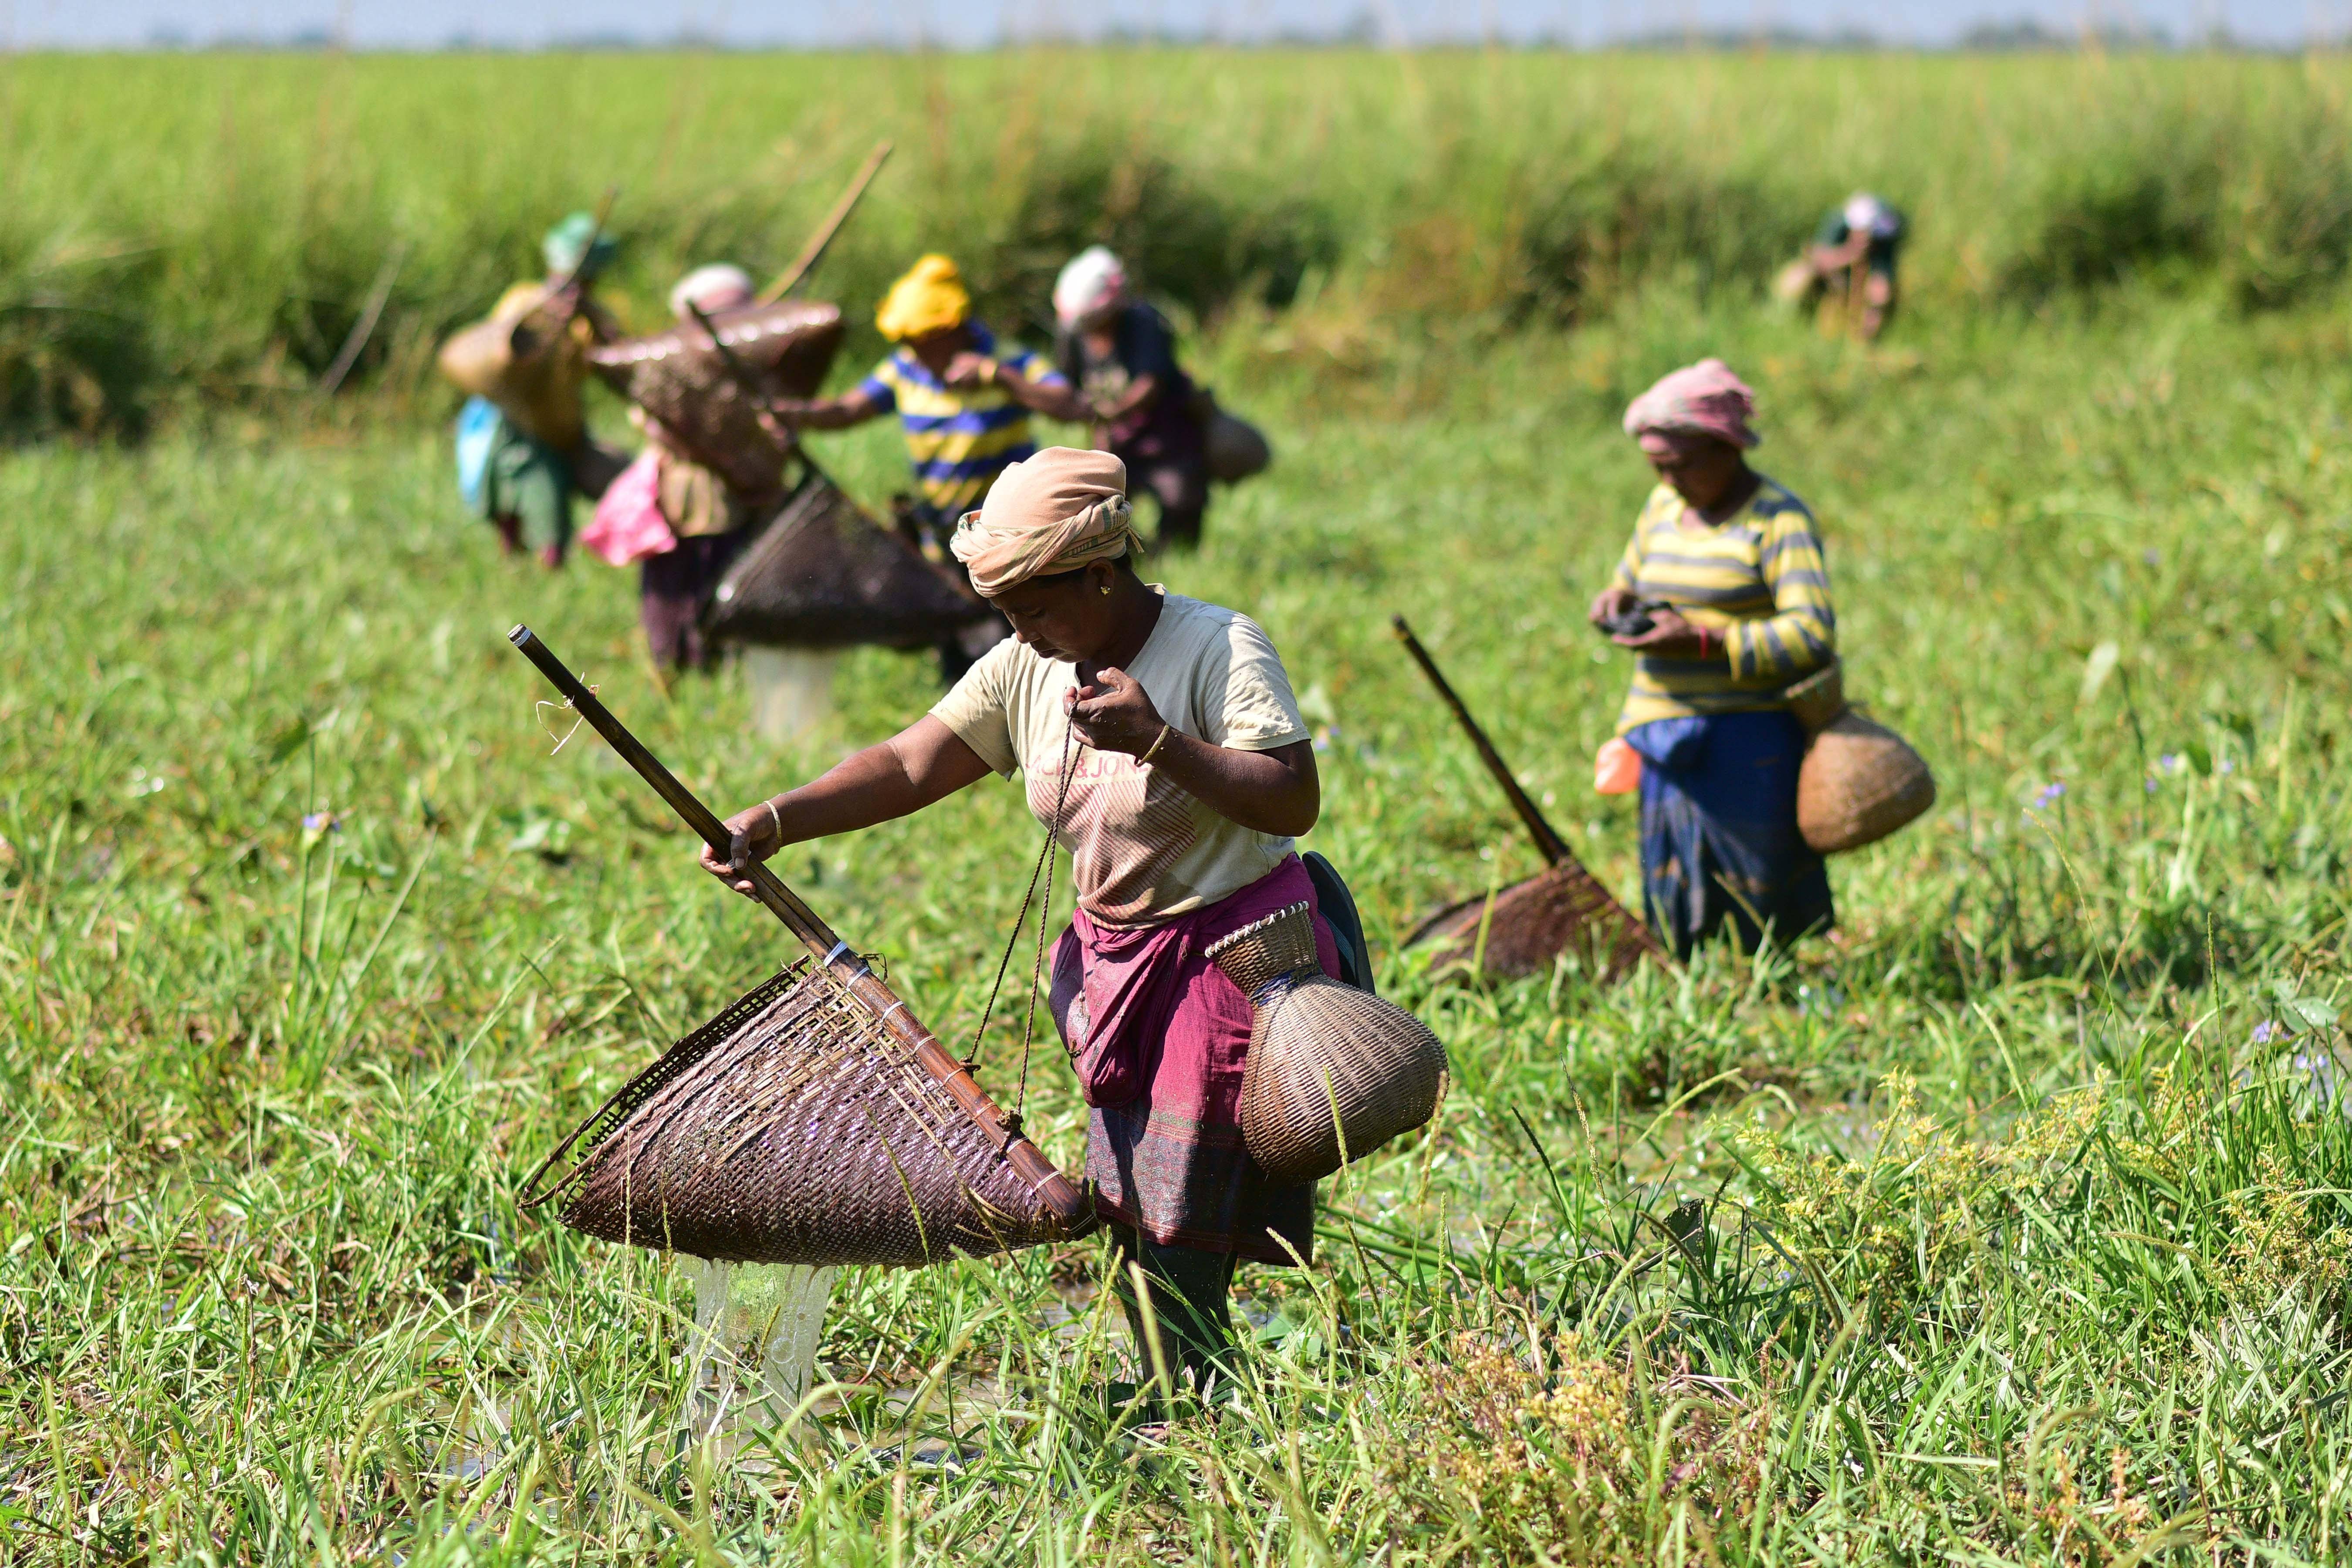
<point>1110,711</point>
<point>1670,637</point>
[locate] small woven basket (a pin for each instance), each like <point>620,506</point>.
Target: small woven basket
<point>1334,1072</point>
<point>1860,782</point>
<point>792,1128</point>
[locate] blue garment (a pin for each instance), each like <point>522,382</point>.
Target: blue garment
<point>478,437</point>
<point>1720,834</point>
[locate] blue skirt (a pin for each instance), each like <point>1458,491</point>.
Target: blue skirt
<point>1719,837</point>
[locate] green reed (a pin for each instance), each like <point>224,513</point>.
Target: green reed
<point>180,231</point>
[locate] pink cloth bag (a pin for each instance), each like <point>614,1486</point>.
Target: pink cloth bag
<point>628,525</point>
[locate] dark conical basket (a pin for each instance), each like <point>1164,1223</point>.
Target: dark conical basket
<point>1523,927</point>
<point>1334,1072</point>
<point>679,379</point>
<point>825,574</point>
<point>792,1128</point>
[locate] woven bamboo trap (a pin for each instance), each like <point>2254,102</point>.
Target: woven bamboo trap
<point>696,392</point>
<point>814,1121</point>
<point>1525,927</point>
<point>824,575</point>
<point>1333,1072</point>
<point>792,1128</point>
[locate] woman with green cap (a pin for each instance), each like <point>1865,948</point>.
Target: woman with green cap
<point>523,459</point>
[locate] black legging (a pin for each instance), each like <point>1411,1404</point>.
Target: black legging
<point>1191,1293</point>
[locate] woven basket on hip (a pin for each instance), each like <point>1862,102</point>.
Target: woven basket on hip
<point>792,1128</point>
<point>1334,1072</point>
<point>1860,781</point>
<point>1236,448</point>
<point>526,366</point>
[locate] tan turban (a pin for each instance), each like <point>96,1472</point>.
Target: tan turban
<point>1056,512</point>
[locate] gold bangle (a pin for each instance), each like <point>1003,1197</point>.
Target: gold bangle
<point>774,821</point>
<point>1157,742</point>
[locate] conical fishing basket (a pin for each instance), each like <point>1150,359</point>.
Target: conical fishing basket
<point>792,1128</point>
<point>825,574</point>
<point>1860,782</point>
<point>1521,928</point>
<point>680,380</point>
<point>1334,1072</point>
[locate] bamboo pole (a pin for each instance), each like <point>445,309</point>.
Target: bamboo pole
<point>790,277</point>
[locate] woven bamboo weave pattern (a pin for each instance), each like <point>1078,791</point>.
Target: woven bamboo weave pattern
<point>1563,909</point>
<point>1860,781</point>
<point>679,379</point>
<point>792,1128</point>
<point>825,574</point>
<point>1334,1072</point>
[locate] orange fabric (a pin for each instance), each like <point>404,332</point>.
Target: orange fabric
<point>1616,767</point>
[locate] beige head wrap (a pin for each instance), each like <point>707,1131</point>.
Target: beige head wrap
<point>1056,512</point>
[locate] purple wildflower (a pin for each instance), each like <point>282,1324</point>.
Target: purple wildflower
<point>2049,793</point>
<point>2265,1032</point>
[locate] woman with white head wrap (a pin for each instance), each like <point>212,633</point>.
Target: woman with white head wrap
<point>1853,257</point>
<point>721,286</point>
<point>1120,354</point>
<point>712,517</point>
<point>1158,736</point>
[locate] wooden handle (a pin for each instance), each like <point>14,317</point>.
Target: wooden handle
<point>1550,844</point>
<point>1056,1191</point>
<point>790,277</point>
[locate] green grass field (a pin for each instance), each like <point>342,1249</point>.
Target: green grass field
<point>2025,1237</point>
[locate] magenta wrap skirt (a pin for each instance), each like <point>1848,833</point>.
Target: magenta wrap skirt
<point>1160,1039</point>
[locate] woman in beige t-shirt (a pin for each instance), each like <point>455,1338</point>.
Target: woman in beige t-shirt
<point>1160,735</point>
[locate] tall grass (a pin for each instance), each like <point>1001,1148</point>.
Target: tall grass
<point>201,230</point>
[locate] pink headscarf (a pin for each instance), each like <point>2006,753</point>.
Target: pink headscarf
<point>1702,399</point>
<point>1056,512</point>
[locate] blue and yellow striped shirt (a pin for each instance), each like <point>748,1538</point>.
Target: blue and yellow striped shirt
<point>958,441</point>
<point>1758,578</point>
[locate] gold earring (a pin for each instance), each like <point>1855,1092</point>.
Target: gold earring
<point>1106,588</point>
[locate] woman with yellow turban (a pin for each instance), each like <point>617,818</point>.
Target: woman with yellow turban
<point>964,400</point>
<point>1158,737</point>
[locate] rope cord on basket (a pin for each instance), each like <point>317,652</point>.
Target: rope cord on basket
<point>1044,867</point>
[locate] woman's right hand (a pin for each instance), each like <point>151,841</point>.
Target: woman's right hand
<point>1611,603</point>
<point>753,834</point>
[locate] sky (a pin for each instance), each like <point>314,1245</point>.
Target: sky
<point>971,24</point>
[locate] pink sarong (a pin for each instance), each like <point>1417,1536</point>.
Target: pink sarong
<point>1160,1039</point>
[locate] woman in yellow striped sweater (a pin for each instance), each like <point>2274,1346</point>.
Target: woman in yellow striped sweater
<point>1724,598</point>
